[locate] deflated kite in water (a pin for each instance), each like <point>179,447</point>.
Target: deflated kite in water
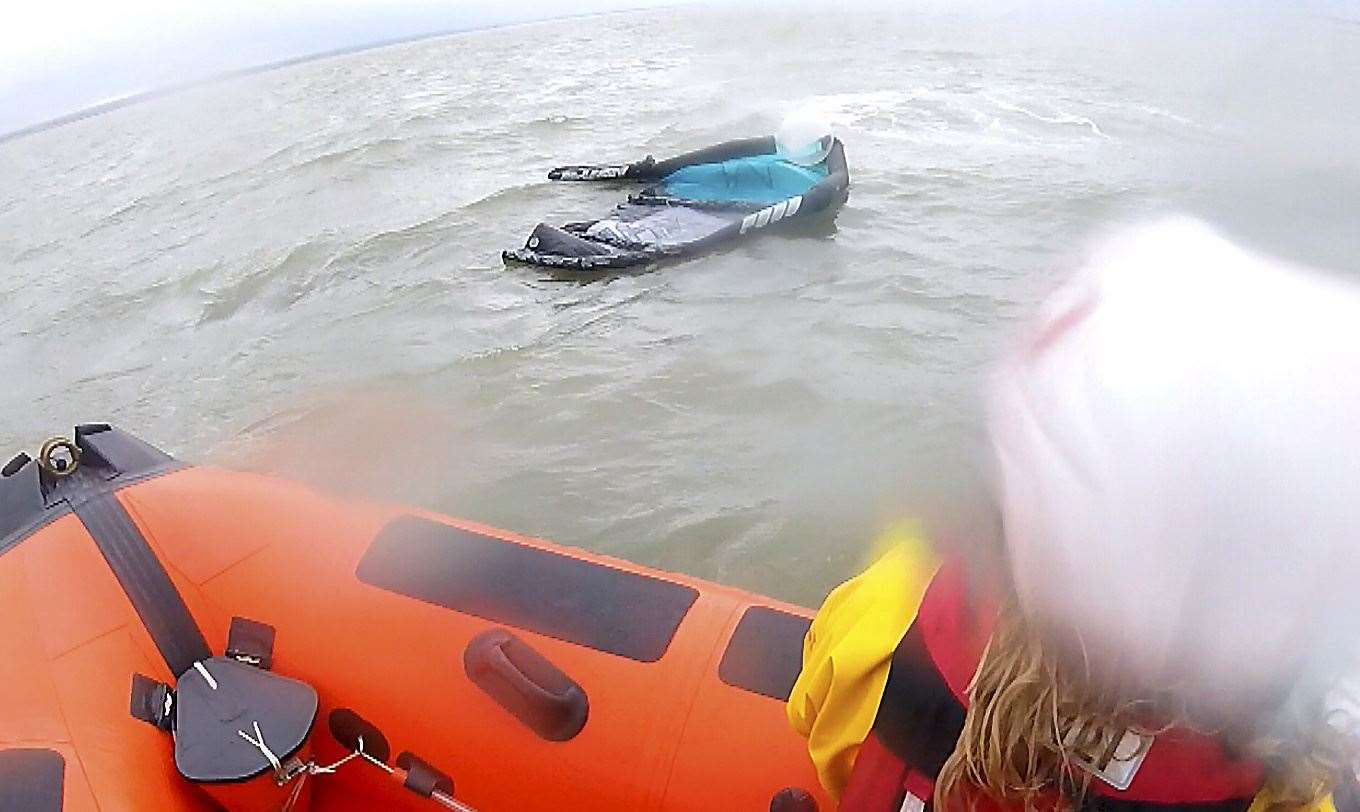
<point>698,201</point>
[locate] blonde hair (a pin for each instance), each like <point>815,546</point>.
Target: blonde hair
<point>1031,712</point>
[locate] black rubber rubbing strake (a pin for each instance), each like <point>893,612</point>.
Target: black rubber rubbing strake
<point>147,584</point>
<point>31,780</point>
<point>765,653</point>
<point>110,460</point>
<point>593,605</point>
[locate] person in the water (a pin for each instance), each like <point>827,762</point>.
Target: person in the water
<point>1171,623</point>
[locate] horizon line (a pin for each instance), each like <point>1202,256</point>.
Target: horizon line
<point>236,73</point>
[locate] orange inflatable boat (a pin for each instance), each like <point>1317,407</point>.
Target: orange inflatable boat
<point>183,638</point>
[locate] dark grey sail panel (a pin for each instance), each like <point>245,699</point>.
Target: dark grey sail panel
<point>697,202</point>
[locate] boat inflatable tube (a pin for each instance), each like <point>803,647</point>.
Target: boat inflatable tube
<point>176,637</point>
<point>696,202</point>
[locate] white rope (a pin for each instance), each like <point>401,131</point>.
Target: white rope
<point>258,741</point>
<point>312,768</point>
<point>316,769</point>
<point>212,683</point>
<point>295,794</point>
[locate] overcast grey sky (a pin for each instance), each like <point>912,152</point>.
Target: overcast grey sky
<point>60,56</point>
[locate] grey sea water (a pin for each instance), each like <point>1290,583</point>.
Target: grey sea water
<point>298,271</point>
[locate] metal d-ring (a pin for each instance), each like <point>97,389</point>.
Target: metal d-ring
<point>59,467</point>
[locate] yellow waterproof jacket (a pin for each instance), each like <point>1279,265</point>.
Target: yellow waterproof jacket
<point>846,655</point>
<point>847,652</point>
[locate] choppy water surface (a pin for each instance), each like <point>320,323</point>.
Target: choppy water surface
<point>299,271</point>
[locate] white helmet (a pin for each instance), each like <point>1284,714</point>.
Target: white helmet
<point>804,139</point>
<point>1178,450</point>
